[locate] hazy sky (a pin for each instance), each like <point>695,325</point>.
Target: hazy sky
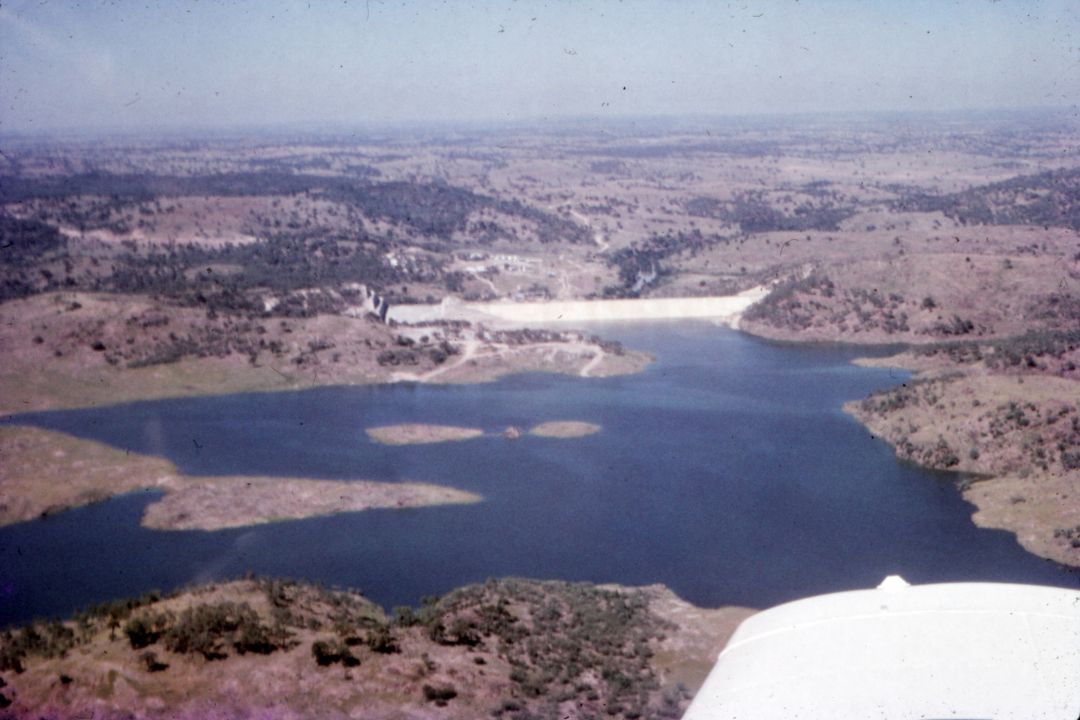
<point>145,65</point>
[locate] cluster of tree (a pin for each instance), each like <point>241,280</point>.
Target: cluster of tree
<point>641,264</point>
<point>146,187</point>
<point>48,640</point>
<point>1049,199</point>
<point>27,249</point>
<point>411,352</point>
<point>304,275</point>
<point>1035,350</point>
<point>1033,435</point>
<point>753,213</point>
<point>54,639</point>
<point>562,640</point>
<point>434,209</point>
<point>787,305</point>
<point>912,393</point>
<point>211,630</point>
<point>37,257</point>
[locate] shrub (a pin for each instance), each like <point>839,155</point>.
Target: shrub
<point>210,629</point>
<point>439,695</point>
<point>149,659</point>
<point>327,653</point>
<point>381,640</point>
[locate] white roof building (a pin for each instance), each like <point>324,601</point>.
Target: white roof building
<point>961,651</point>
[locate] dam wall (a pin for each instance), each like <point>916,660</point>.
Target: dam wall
<point>727,307</point>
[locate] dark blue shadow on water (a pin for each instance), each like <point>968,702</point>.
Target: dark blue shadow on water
<point>726,471</point>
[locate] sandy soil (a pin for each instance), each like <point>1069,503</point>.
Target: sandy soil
<point>564,429</point>
<point>45,472</point>
<point>421,434</point>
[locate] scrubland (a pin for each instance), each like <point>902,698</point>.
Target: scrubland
<point>134,272</point>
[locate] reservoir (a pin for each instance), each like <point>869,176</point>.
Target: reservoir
<point>727,471</point>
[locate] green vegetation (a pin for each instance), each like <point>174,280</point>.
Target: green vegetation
<point>1047,199</point>
<point>1035,350</point>
<point>754,212</point>
<point>28,245</point>
<point>553,642</point>
<point>562,641</point>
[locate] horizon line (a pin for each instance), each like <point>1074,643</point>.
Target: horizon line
<point>328,127</point>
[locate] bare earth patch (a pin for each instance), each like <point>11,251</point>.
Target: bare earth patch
<point>45,472</point>
<point>564,429</point>
<point>421,434</point>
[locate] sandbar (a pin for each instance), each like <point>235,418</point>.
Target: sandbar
<point>421,434</point>
<point>564,429</point>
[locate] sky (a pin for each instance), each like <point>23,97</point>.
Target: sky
<point>146,65</point>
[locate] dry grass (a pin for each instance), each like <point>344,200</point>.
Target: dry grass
<point>108,677</point>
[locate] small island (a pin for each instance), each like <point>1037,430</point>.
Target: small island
<point>421,434</point>
<point>564,429</point>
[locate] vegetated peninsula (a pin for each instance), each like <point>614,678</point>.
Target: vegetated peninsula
<point>506,648</point>
<point>44,472</point>
<point>991,315</point>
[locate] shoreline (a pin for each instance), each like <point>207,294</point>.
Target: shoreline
<point>62,368</point>
<point>985,426</point>
<point>47,472</point>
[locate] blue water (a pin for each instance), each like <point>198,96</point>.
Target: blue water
<point>726,471</point>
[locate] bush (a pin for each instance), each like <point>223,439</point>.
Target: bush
<point>211,629</point>
<point>149,659</point>
<point>327,653</point>
<point>381,640</point>
<point>439,695</point>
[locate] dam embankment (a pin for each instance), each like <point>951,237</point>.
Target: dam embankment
<point>726,308</point>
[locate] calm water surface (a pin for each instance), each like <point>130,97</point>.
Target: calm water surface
<point>726,471</point>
